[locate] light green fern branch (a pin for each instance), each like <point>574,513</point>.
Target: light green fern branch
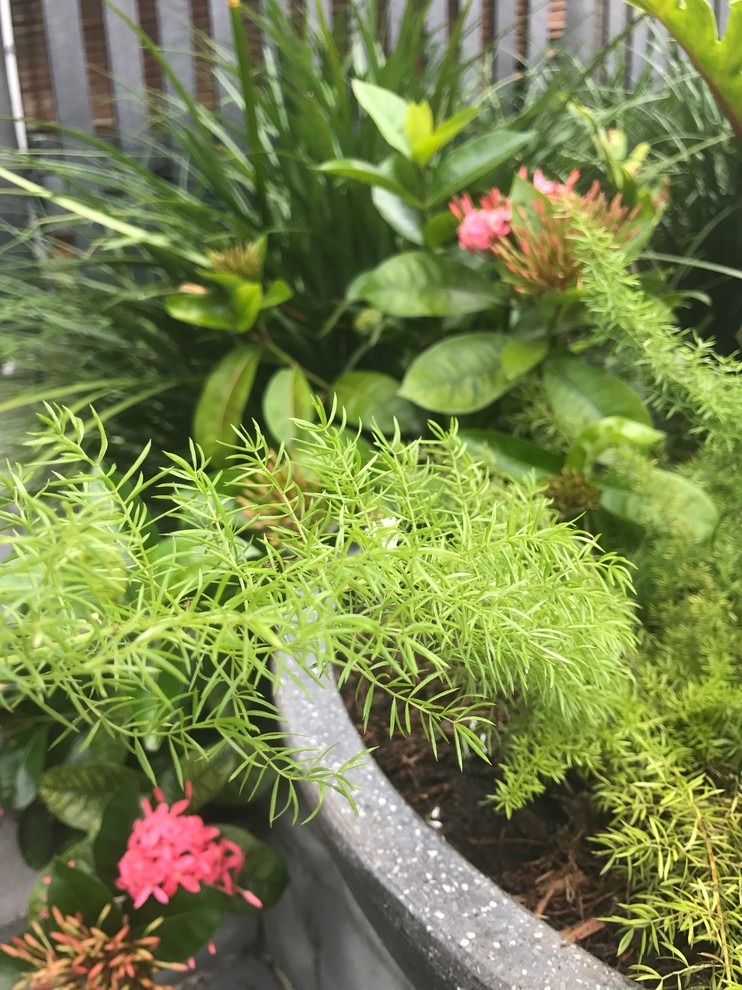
<point>473,590</point>
<point>686,374</point>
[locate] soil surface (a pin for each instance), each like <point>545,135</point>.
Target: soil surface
<point>542,855</point>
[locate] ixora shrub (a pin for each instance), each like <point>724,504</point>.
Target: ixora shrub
<point>226,276</point>
<point>137,640</point>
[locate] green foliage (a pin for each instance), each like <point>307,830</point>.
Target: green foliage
<point>716,57</point>
<point>152,304</point>
<point>98,630</point>
<point>686,374</point>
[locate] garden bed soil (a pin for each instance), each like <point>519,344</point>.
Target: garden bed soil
<point>541,856</point>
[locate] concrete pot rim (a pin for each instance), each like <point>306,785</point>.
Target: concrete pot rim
<point>447,925</point>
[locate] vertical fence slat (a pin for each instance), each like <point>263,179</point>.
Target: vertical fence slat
<point>221,34</point>
<point>538,28</point>
<point>68,64</point>
<point>127,73</point>
<point>11,208</point>
<point>219,16</point>
<point>174,17</point>
<point>579,37</point>
<point>615,21</point>
<point>395,13</point>
<point>505,23</point>
<point>722,15</point>
<point>638,47</point>
<point>471,35</point>
<point>436,20</point>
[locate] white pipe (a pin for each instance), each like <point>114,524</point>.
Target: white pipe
<point>11,74</point>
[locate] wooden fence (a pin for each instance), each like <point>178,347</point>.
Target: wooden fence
<point>77,62</point>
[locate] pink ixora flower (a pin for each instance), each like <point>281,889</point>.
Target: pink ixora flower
<point>480,228</point>
<point>549,187</point>
<point>168,849</point>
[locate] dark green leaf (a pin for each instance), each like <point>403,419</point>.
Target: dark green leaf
<point>72,890</point>
<point>96,746</point>
<point>467,372</point>
<point>77,795</point>
<point>190,921</point>
<point>440,230</point>
<point>207,775</point>
<point>420,284</point>
<point>581,394</point>
<point>264,873</point>
<point>370,397</point>
<point>223,400</point>
<point>109,845</point>
<point>36,835</point>
<point>512,456</point>
<point>401,217</point>
<point>473,161</point>
<point>22,759</point>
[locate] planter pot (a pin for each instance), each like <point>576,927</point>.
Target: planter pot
<point>381,889</point>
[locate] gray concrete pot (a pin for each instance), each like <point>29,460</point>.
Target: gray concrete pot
<point>379,899</point>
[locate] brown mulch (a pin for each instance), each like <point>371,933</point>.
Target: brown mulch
<point>541,855</point>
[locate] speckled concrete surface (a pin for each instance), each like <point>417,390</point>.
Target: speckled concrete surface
<point>447,926</point>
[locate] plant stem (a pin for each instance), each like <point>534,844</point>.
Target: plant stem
<point>282,355</point>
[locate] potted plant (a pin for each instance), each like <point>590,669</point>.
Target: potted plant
<point>111,603</point>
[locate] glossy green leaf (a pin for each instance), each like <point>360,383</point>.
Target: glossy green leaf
<point>211,310</point>
<point>440,229</point>
<point>22,759</point>
<point>612,431</point>
<point>276,294</point>
<point>387,110</point>
<point>473,161</point>
<point>418,125</point>
<point>371,398</point>
<point>77,795</point>
<point>420,284</point>
<point>223,400</point>
<point>190,921</point>
<point>96,746</point>
<point>467,372</point>
<point>513,457</point>
<point>719,59</point>
<point>424,148</point>
<point>36,835</point>
<point>406,220</point>
<point>72,890</point>
<point>117,818</point>
<point>681,507</point>
<point>370,175</point>
<point>581,394</point>
<point>264,873</point>
<point>287,397</point>
<point>207,774</point>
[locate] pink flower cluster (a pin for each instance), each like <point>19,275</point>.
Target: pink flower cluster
<point>168,849</point>
<point>481,227</point>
